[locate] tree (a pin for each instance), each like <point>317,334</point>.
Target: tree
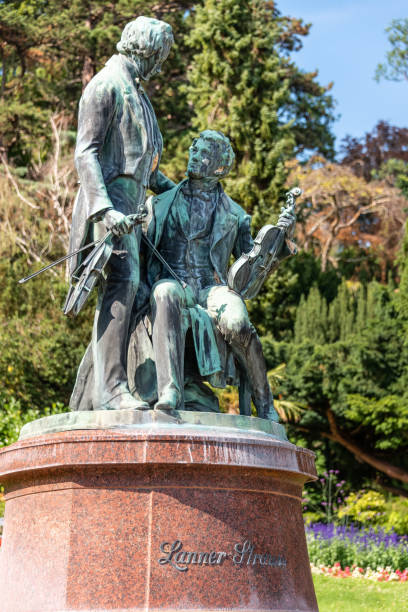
<point>342,210</point>
<point>243,82</point>
<point>370,154</point>
<point>348,367</point>
<point>273,311</point>
<point>51,49</point>
<point>396,66</point>
<point>395,173</point>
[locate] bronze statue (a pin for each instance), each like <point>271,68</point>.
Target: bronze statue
<point>188,326</point>
<point>117,156</point>
<point>196,227</point>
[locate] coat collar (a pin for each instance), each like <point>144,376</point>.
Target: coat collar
<point>127,68</point>
<point>161,206</point>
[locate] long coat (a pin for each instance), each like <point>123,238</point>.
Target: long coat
<point>118,135</point>
<point>230,234</point>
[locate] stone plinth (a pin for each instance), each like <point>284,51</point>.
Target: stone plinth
<point>154,513</point>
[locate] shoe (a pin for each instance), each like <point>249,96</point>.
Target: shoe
<point>125,401</point>
<point>266,410</point>
<point>272,415</point>
<point>169,400</point>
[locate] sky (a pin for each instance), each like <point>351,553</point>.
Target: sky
<point>346,42</point>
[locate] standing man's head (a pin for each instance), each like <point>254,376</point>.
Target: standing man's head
<point>210,156</point>
<point>147,42</point>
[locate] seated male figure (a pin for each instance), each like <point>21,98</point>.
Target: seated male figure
<point>196,227</point>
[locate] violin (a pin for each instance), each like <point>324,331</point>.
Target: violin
<point>91,270</point>
<point>247,275</point>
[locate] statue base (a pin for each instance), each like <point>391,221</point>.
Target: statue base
<point>147,511</point>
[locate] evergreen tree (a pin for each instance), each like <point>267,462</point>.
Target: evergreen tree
<point>311,318</point>
<point>243,82</point>
<point>350,370</point>
<point>402,296</point>
<point>396,66</point>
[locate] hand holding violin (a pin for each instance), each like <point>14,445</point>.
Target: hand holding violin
<point>287,221</point>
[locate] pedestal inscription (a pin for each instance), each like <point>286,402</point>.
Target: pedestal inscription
<point>244,554</point>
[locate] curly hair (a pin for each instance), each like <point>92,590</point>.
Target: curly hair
<point>145,37</point>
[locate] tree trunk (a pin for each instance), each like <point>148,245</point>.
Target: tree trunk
<point>3,72</point>
<point>88,71</point>
<point>382,466</point>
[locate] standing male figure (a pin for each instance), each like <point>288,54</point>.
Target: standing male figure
<point>117,156</point>
<point>196,227</point>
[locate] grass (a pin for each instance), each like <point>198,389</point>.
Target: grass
<point>355,595</point>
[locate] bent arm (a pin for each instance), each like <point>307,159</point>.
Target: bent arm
<point>96,109</point>
<point>160,183</point>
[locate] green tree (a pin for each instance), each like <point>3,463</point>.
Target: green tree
<point>395,173</point>
<point>395,67</point>
<point>273,311</point>
<point>51,49</point>
<point>348,366</point>
<point>243,82</point>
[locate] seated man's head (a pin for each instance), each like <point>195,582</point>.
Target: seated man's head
<point>147,42</point>
<point>210,156</point>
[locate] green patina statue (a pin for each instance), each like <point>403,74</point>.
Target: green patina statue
<point>187,325</point>
<point>117,156</point>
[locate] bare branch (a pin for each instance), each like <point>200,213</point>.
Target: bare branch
<point>14,183</point>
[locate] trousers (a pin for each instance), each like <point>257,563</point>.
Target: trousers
<point>228,312</point>
<point>115,300</point>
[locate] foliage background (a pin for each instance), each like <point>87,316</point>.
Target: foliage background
<point>333,320</point>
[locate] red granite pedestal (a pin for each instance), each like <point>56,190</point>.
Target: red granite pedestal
<point>153,519</point>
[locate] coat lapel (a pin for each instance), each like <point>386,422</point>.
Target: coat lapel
<point>223,236</point>
<point>161,207</point>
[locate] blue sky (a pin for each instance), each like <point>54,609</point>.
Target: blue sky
<point>345,44</point>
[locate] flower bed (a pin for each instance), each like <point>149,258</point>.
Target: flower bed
<point>337,548</point>
<point>381,574</point>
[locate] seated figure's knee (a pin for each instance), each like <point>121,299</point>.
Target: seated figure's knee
<point>167,291</point>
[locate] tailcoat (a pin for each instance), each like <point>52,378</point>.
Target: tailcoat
<point>118,136</point>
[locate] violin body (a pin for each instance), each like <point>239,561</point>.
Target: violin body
<point>89,273</point>
<point>247,275</point>
<point>91,270</point>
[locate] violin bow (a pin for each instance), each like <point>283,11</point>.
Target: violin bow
<point>134,218</point>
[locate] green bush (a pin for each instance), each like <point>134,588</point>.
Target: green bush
<point>397,515</point>
<point>13,417</point>
<point>371,508</point>
<point>364,508</point>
